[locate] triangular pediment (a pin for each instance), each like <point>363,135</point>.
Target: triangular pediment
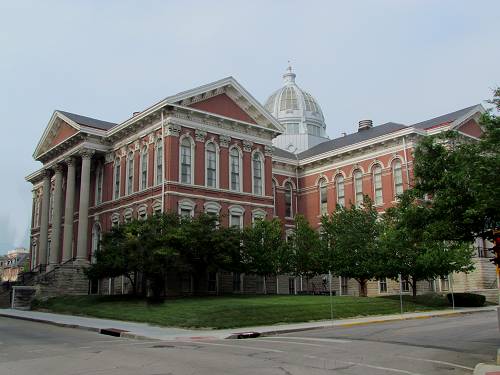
<point>58,130</point>
<point>223,105</point>
<point>227,98</point>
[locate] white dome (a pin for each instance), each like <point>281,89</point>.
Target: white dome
<point>298,112</point>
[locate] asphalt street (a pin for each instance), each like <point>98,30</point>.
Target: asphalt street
<point>442,345</point>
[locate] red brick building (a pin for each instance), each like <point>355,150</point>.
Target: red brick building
<point>211,149</point>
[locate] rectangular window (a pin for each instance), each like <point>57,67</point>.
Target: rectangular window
<point>99,180</point>
<point>130,175</point>
<point>185,212</point>
<point>377,184</point>
<point>358,188</point>
<point>235,170</point>
<point>398,178</point>
<point>257,175</point>
<point>236,282</point>
<point>344,285</point>
<point>212,282</point>
<point>211,166</point>
<point>117,180</point>
<point>445,283</point>
<point>340,191</point>
<point>144,169</point>
<point>186,162</point>
<point>405,285</point>
<point>292,128</point>
<point>382,285</point>
<point>235,221</point>
<point>159,163</point>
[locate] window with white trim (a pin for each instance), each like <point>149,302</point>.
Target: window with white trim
<point>211,165</point>
<point>144,168</point>
<point>339,184</point>
<point>382,285</point>
<point>99,178</point>
<point>159,161</point>
<point>397,175</point>
<point>212,208</point>
<point>116,190</point>
<point>186,156</point>
<point>128,215</point>
<point>130,173</point>
<point>235,162</point>
<point>323,197</point>
<point>186,208</point>
<point>257,173</point>
<point>288,199</point>
<point>405,285</point>
<point>96,240</point>
<point>377,184</point>
<point>142,212</point>
<point>236,216</point>
<point>358,187</point>
<point>115,219</point>
<point>258,214</point>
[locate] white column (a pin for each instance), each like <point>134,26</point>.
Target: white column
<point>44,221</point>
<point>55,244</point>
<point>69,210</point>
<point>83,211</point>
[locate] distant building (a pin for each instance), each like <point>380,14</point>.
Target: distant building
<point>216,149</point>
<point>12,264</point>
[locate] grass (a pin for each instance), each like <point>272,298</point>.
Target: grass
<point>234,311</point>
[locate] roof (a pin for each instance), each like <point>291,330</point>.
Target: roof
<point>444,119</point>
<point>280,153</point>
<point>88,121</point>
<point>351,139</point>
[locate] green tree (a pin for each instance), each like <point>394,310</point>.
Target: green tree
<point>350,243</point>
<point>265,252</point>
<point>305,249</point>
<point>462,179</point>
<point>411,243</point>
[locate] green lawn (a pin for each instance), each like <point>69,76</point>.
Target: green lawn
<point>234,311</point>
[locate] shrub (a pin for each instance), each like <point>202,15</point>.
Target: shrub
<point>467,299</point>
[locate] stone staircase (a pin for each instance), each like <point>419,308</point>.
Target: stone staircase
<point>22,296</point>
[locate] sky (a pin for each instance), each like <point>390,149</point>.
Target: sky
<point>403,61</point>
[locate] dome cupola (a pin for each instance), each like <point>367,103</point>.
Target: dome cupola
<point>299,113</point>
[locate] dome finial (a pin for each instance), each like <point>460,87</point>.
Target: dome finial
<point>289,76</point>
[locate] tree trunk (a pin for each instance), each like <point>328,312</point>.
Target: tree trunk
<point>414,287</point>
<point>363,292</point>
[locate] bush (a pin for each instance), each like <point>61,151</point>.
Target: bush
<point>467,299</point>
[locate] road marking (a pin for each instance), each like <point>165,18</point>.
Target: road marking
<point>232,346</point>
<point>315,339</point>
<point>294,342</point>
<point>366,365</point>
<point>440,362</point>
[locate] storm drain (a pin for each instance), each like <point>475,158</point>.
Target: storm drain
<point>112,331</point>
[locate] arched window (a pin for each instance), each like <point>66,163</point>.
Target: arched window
<point>99,177</point>
<point>323,197</point>
<point>144,168</point>
<point>236,216</point>
<point>358,187</point>
<point>397,175</point>
<point>257,173</point>
<point>211,165</point>
<point>116,190</point>
<point>377,184</point>
<point>96,240</point>
<point>159,161</point>
<point>235,169</point>
<point>288,200</point>
<point>186,208</point>
<point>186,161</point>
<point>130,173</point>
<point>339,184</point>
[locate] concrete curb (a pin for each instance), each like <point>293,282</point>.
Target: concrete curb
<point>261,332</point>
<point>338,323</point>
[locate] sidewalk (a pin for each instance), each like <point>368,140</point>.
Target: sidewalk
<point>146,331</point>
